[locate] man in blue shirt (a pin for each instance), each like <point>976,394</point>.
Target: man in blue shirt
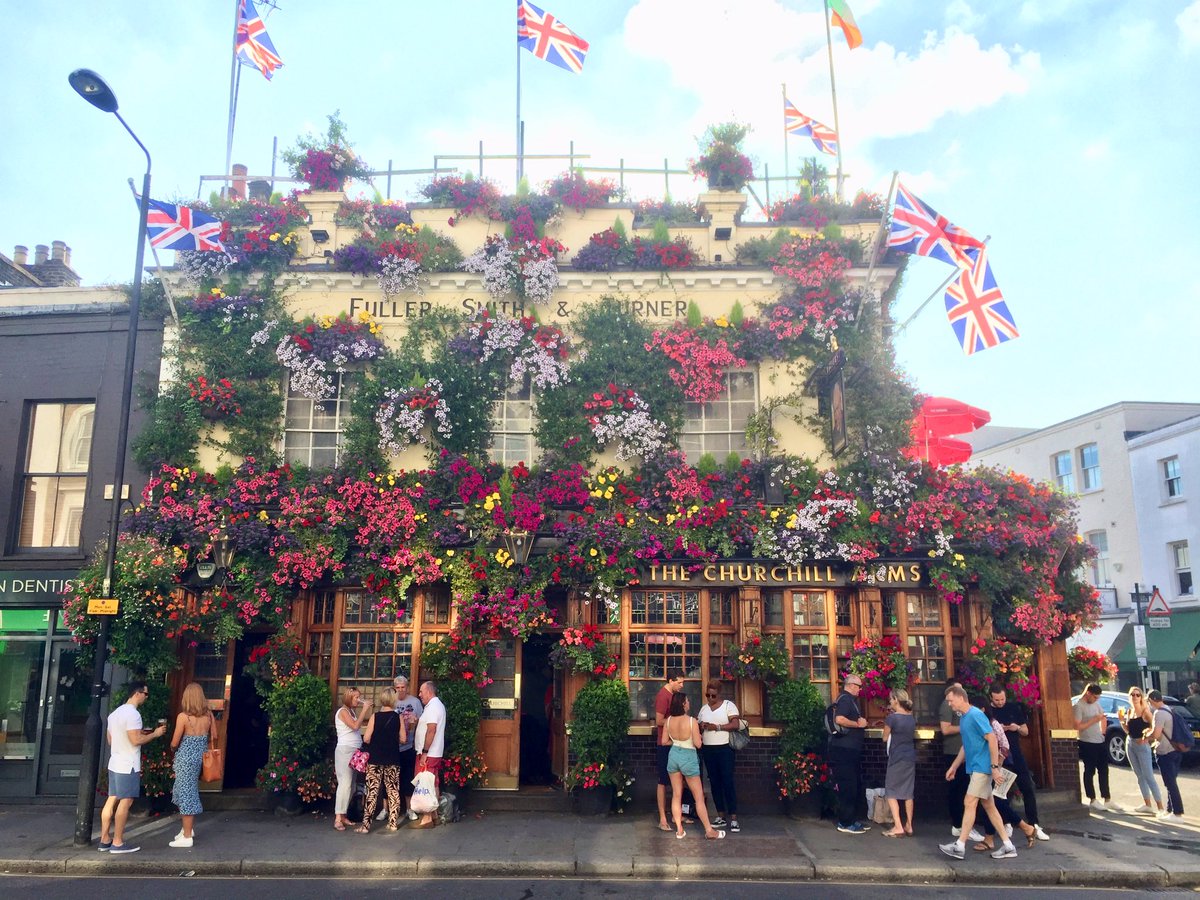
<point>981,756</point>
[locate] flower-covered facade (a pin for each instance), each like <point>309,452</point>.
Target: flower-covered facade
<point>496,448</point>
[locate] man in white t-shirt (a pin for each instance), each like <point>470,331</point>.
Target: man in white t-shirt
<point>430,740</point>
<point>125,740</point>
<point>1091,724</point>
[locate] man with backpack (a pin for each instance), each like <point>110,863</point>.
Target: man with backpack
<point>845,754</point>
<point>1172,733</point>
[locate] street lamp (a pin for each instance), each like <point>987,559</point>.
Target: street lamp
<point>92,88</point>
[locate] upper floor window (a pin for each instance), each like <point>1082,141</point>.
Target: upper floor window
<point>1064,479</point>
<point>719,426</point>
<point>313,429</point>
<point>1089,465</point>
<point>1181,561</point>
<point>54,481</point>
<point>1172,480</point>
<point>512,425</point>
<point>1100,564</point>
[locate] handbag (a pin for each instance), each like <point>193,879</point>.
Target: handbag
<point>740,739</point>
<point>212,765</point>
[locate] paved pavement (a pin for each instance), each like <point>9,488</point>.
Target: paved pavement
<point>1085,849</point>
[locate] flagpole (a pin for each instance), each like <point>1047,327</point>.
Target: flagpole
<point>940,290</point>
<point>786,175</point>
<point>234,80</point>
<point>157,264</point>
<point>833,93</point>
<point>520,149</point>
<point>879,232</point>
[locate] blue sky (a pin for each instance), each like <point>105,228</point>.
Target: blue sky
<point>1065,129</point>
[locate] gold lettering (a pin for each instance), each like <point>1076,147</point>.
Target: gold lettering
<point>725,573</point>
<point>710,573</point>
<point>744,573</point>
<point>829,573</point>
<point>776,573</point>
<point>760,573</point>
<point>895,573</point>
<point>654,572</point>
<point>915,571</point>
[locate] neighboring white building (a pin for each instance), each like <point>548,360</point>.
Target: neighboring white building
<point>1165,466</point>
<point>1089,456</point>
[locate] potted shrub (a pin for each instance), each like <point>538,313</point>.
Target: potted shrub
<point>597,730</point>
<point>463,767</point>
<point>300,731</point>
<point>326,163</point>
<point>721,161</point>
<point>801,772</point>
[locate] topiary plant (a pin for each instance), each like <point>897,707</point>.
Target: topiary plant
<point>599,722</point>
<point>300,720</point>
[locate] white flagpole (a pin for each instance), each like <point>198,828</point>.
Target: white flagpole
<point>941,290</point>
<point>520,149</point>
<point>833,93</point>
<point>879,233</point>
<point>234,81</point>
<point>786,175</point>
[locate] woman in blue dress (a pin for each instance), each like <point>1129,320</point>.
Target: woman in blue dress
<point>195,727</point>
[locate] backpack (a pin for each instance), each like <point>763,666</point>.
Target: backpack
<point>1182,738</point>
<point>831,727</point>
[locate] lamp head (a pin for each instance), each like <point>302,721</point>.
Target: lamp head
<point>92,88</point>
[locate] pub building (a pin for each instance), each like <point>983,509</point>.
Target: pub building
<point>676,614</point>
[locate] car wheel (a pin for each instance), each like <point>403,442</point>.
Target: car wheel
<point>1116,750</point>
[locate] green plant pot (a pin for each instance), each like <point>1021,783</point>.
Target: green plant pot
<point>806,806</point>
<point>287,803</point>
<point>594,802</point>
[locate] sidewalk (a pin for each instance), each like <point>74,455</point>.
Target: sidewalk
<point>1110,850</point>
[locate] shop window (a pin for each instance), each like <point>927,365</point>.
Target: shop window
<point>323,608</point>
<point>841,605</point>
<point>320,654</point>
<point>352,644</point>
<point>437,605</point>
<point>512,425</point>
<point>720,608</point>
<point>54,482</point>
<point>651,656</point>
<point>808,609</point>
<point>20,696</point>
<point>924,611</point>
<point>810,656</point>
<point>719,426</point>
<point>890,619</point>
<point>718,649</point>
<point>666,608</point>
<point>313,429</point>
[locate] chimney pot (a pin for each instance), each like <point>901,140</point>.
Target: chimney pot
<point>40,254</point>
<point>58,250</point>
<point>238,188</point>
<point>20,254</point>
<point>66,256</point>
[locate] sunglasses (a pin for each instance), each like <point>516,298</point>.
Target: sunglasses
<point>710,693</point>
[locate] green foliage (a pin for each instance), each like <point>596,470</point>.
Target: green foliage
<point>660,233</point>
<point>707,465</point>
<point>799,706</point>
<point>732,133</point>
<point>619,230</point>
<point>599,722</point>
<point>172,432</point>
<point>464,709</point>
<point>737,315</point>
<point>157,775</point>
<point>694,317</point>
<point>760,251</point>
<point>299,711</point>
<point>616,344</point>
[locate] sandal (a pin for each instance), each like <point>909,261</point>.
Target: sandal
<point>681,834</point>
<point>364,828</point>
<point>662,827</point>
<point>1030,836</point>
<point>981,847</point>
<point>720,835</point>
<point>339,826</point>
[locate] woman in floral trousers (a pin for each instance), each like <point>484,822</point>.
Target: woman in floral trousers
<point>383,736</point>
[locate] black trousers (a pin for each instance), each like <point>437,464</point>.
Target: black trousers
<point>956,791</point>
<point>1028,793</point>
<point>718,760</point>
<point>408,767</point>
<point>846,764</point>
<point>1095,762</point>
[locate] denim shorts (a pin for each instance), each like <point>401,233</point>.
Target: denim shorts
<point>124,785</point>
<point>683,760</point>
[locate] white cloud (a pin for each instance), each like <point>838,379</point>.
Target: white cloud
<point>1189,26</point>
<point>960,14</point>
<point>1098,150</point>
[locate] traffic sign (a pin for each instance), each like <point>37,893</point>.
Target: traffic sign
<point>1158,605</point>
<point>1139,642</point>
<point>102,606</point>
<point>1161,622</point>
<point>1141,661</point>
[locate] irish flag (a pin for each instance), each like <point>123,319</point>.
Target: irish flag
<point>844,19</point>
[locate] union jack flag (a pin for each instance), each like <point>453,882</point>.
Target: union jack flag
<point>182,228</point>
<point>797,123</point>
<point>547,38</point>
<point>976,308</point>
<point>917,228</point>
<point>254,45</point>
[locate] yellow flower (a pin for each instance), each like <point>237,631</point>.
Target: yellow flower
<point>721,322</point>
<point>262,515</point>
<point>449,552</point>
<point>592,552</point>
<point>274,237</point>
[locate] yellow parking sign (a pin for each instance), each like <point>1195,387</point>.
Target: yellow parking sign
<point>102,606</point>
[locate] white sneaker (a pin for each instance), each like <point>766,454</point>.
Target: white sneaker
<point>1041,835</point>
<point>1008,851</point>
<point>954,850</point>
<point>1162,814</point>
<point>381,815</point>
<point>412,816</point>
<point>1171,817</point>
<point>1113,807</point>
<point>1097,805</point>
<point>1143,809</point>
<point>956,831</point>
<point>181,841</point>
<point>975,835</point>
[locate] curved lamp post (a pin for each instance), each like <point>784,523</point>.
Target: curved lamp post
<point>92,88</point>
